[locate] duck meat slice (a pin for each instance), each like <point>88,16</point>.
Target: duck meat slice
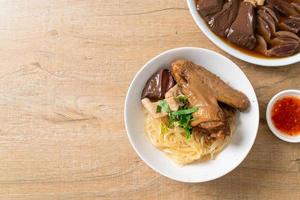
<point>271,12</point>
<point>263,28</point>
<point>209,7</point>
<point>283,7</point>
<point>282,40</point>
<point>222,20</point>
<point>287,34</point>
<point>291,24</point>
<point>284,50</point>
<point>296,6</point>
<point>241,31</point>
<point>261,46</point>
<point>267,18</point>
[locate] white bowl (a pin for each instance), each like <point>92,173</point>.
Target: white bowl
<point>231,156</point>
<point>275,131</point>
<point>271,62</point>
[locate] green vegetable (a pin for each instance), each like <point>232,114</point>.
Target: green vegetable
<point>182,117</point>
<point>185,111</point>
<point>185,123</point>
<point>164,106</point>
<point>158,109</point>
<point>181,99</point>
<point>188,133</point>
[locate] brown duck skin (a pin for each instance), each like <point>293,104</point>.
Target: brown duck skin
<point>189,75</point>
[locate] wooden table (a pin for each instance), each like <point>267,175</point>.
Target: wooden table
<point>64,72</point>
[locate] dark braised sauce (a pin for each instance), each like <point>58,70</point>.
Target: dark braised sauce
<point>286,115</point>
<point>245,51</point>
<point>270,31</point>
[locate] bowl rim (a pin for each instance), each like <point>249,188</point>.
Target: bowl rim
<point>274,130</point>
<point>150,164</point>
<point>268,62</point>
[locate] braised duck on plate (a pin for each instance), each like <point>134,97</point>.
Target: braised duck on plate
<point>190,112</point>
<point>268,27</point>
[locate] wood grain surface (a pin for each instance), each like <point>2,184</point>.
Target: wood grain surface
<point>64,72</point>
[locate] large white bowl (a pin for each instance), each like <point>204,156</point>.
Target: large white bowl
<point>231,156</point>
<point>271,62</point>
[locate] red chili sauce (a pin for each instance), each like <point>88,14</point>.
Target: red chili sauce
<point>286,115</point>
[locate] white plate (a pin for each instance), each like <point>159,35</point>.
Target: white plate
<point>275,131</point>
<point>231,156</point>
<point>271,62</point>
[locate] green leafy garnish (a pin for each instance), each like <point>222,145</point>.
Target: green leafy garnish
<point>181,99</point>
<point>158,109</point>
<point>185,111</point>
<point>164,106</point>
<point>188,133</point>
<point>182,117</point>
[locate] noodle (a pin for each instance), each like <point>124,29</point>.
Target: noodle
<point>174,143</point>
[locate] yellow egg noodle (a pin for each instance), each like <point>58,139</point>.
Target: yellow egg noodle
<point>174,143</point>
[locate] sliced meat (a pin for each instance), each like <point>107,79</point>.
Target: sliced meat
<point>296,6</point>
<point>158,84</point>
<point>283,7</point>
<point>173,92</point>
<point>287,34</point>
<point>173,104</point>
<point>261,46</point>
<point>221,21</point>
<point>271,12</point>
<point>283,50</point>
<point>263,28</point>
<point>267,18</point>
<point>241,31</point>
<point>282,40</point>
<point>290,24</point>
<point>212,131</point>
<point>295,17</point>
<point>209,7</point>
<point>151,108</point>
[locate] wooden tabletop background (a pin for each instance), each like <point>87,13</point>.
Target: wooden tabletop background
<point>65,66</point>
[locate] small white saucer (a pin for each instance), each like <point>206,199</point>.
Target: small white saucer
<point>276,132</point>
